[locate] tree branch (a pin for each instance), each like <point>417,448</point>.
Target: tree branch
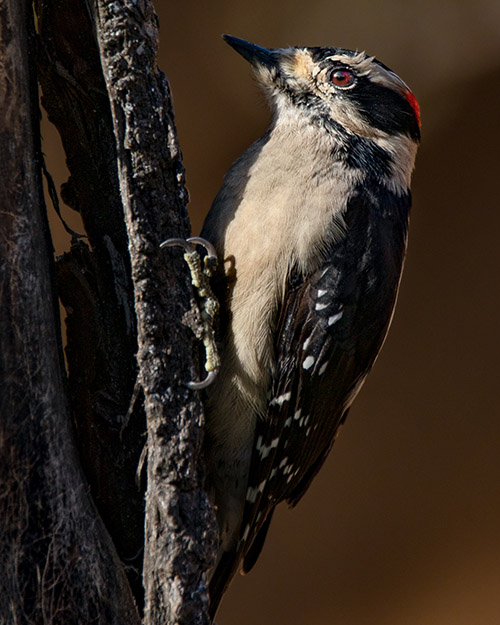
<point>180,526</point>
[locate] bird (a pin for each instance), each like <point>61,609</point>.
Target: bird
<point>310,226</point>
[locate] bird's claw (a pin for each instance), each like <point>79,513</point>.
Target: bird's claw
<point>189,244</point>
<point>199,386</point>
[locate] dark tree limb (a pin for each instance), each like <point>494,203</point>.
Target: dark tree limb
<point>58,564</point>
<point>95,283</point>
<point>180,526</point>
<point>94,279</point>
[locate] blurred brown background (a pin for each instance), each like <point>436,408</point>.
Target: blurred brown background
<point>402,526</point>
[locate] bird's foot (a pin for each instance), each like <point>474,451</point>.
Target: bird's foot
<point>200,278</point>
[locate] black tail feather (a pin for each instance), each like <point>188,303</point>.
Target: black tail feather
<point>255,548</point>
<point>223,574</point>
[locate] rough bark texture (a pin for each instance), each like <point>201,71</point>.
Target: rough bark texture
<point>94,278</point>
<point>58,564</point>
<point>124,296</point>
<point>180,527</point>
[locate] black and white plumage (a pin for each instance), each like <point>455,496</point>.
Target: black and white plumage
<point>311,224</point>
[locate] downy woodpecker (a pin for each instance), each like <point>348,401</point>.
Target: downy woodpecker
<point>310,225</point>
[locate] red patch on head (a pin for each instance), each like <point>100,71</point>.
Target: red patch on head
<point>412,101</point>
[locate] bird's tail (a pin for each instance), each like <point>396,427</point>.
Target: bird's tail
<point>229,564</point>
<point>221,578</point>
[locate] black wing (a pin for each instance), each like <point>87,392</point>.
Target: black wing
<point>331,327</point>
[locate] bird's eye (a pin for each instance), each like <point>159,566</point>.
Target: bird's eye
<point>342,78</point>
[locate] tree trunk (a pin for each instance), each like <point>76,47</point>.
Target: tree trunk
<point>123,297</point>
<point>58,563</point>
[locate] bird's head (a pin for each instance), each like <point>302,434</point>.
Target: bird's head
<point>338,86</point>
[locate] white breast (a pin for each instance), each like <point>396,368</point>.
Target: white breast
<point>277,208</point>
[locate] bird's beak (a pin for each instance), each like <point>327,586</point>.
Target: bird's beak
<point>256,55</point>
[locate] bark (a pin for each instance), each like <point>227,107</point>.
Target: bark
<point>180,527</point>
<point>58,563</point>
<point>125,295</point>
<point>94,279</point>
